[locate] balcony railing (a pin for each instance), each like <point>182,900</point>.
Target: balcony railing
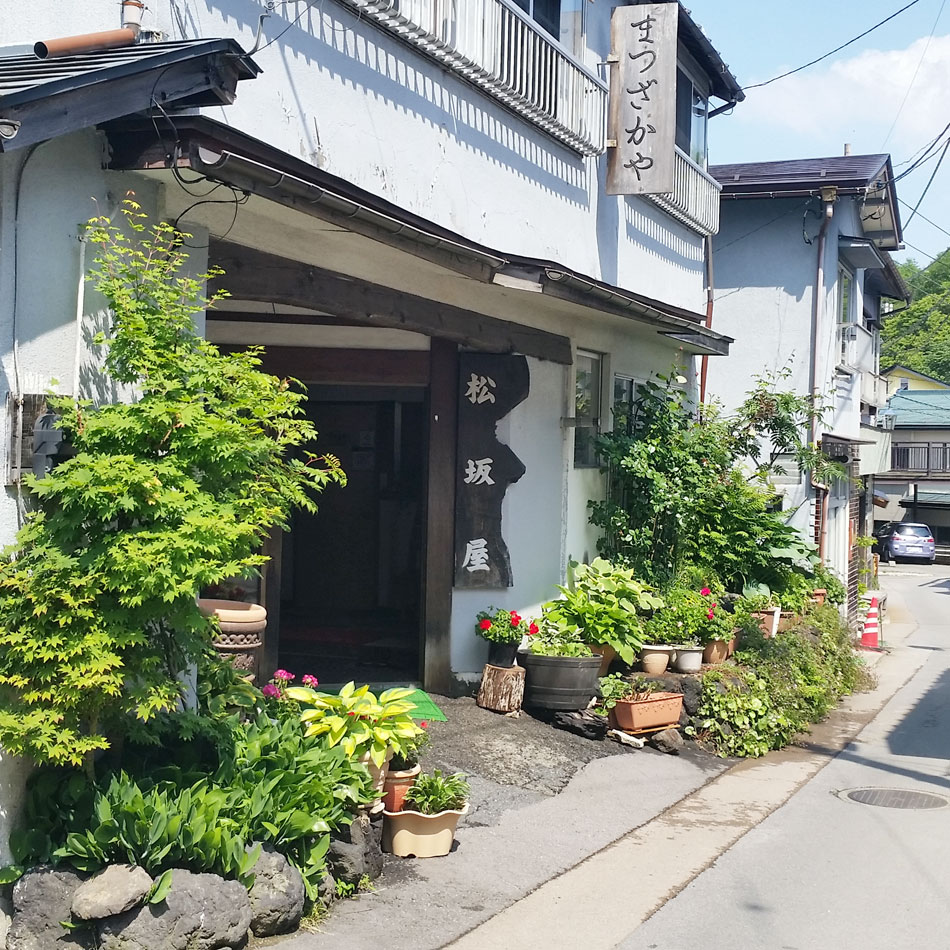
<point>873,389</point>
<point>508,55</point>
<point>857,347</point>
<point>928,458</point>
<point>694,199</point>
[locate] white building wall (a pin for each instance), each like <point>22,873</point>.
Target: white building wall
<point>349,98</point>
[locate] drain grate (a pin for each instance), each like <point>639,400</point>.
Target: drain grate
<point>894,798</point>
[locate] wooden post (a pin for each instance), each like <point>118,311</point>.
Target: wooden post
<point>502,688</point>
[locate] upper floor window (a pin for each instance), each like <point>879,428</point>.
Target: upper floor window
<point>562,19</point>
<point>692,107</point>
<point>846,308</point>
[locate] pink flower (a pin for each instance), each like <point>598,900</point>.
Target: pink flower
<point>271,691</point>
<point>709,614</point>
<point>284,676</point>
<point>705,592</point>
<point>484,624</point>
<point>310,681</point>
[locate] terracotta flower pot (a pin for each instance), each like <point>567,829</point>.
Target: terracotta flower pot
<point>655,658</point>
<point>661,709</point>
<point>768,620</point>
<point>410,833</point>
<point>786,620</point>
<point>731,645</point>
<point>396,785</point>
<point>818,595</point>
<point>715,652</point>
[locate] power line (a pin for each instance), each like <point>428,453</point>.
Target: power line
<point>930,181</point>
<point>933,224</point>
<point>837,49</point>
<point>913,78</point>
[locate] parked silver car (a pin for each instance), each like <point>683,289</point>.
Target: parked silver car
<point>905,539</point>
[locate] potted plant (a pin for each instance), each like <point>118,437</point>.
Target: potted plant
<point>504,630</point>
<point>402,772</point>
<point>560,670</point>
<point>604,605</point>
<point>639,705</point>
<point>369,728</point>
<point>718,630</point>
<point>425,827</point>
<point>675,628</point>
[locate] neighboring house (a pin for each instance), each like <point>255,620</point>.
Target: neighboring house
<point>801,268</point>
<point>410,205</point>
<point>917,485</point>
<point>903,377</point>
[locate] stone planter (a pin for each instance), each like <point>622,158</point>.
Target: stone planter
<point>655,658</point>
<point>410,833</point>
<point>240,626</point>
<point>560,682</point>
<point>503,654</point>
<point>396,785</point>
<point>688,659</point>
<point>715,652</point>
<point>607,654</point>
<point>639,715</point>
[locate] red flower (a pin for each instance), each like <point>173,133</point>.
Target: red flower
<point>424,724</point>
<point>484,624</point>
<point>705,592</point>
<point>532,630</point>
<point>515,619</point>
<point>351,713</point>
<point>714,606</point>
<point>709,614</point>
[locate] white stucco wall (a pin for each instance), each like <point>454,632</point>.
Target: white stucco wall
<point>349,98</point>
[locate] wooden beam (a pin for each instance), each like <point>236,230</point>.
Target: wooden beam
<point>258,276</point>
<point>440,517</point>
<point>312,364</point>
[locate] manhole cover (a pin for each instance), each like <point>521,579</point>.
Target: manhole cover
<point>894,798</point>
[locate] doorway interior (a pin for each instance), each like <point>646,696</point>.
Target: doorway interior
<point>351,577</point>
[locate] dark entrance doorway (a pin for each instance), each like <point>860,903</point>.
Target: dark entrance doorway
<point>351,575</point>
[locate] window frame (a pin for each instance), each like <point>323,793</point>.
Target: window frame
<point>688,72</point>
<point>588,426</point>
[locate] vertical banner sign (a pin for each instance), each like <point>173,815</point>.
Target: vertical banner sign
<point>490,387</point>
<point>641,124</point>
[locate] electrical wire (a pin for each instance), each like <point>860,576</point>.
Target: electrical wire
<point>837,49</point>
<point>923,217</point>
<point>747,234</point>
<point>293,22</point>
<point>930,181</point>
<point>913,78</point>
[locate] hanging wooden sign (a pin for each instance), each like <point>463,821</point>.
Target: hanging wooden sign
<point>641,122</point>
<point>490,386</point>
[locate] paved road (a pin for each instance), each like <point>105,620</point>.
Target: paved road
<point>822,872</point>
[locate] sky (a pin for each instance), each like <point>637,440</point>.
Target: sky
<point>888,92</point>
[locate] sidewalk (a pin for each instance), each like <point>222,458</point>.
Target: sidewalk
<point>520,839</point>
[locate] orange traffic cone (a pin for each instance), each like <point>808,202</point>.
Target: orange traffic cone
<point>869,637</point>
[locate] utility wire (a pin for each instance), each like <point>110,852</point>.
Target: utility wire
<point>923,217</point>
<point>913,78</point>
<point>930,181</point>
<point>837,49</point>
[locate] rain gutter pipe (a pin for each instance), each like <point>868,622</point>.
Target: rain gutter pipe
<point>828,197</point>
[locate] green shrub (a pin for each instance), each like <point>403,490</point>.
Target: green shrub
<point>780,686</point>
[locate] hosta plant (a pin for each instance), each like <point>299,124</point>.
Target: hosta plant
<point>358,720</point>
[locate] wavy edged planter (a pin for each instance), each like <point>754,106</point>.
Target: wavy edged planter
<point>641,715</point>
<point>397,785</point>
<point>560,682</point>
<point>411,834</point>
<point>241,625</point>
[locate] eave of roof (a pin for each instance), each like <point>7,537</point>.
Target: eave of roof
<point>691,35</point>
<point>60,95</point>
<point>225,154</point>
<point>890,369</point>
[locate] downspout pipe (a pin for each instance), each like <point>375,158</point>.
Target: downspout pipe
<point>710,288</point>
<point>828,197</point>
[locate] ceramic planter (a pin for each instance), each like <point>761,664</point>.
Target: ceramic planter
<point>409,833</point>
<point>503,654</point>
<point>607,654</point>
<point>240,626</point>
<point>655,657</point>
<point>378,774</point>
<point>661,709</point>
<point>396,785</point>
<point>560,682</point>
<point>688,659</point>
<point>715,652</point>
